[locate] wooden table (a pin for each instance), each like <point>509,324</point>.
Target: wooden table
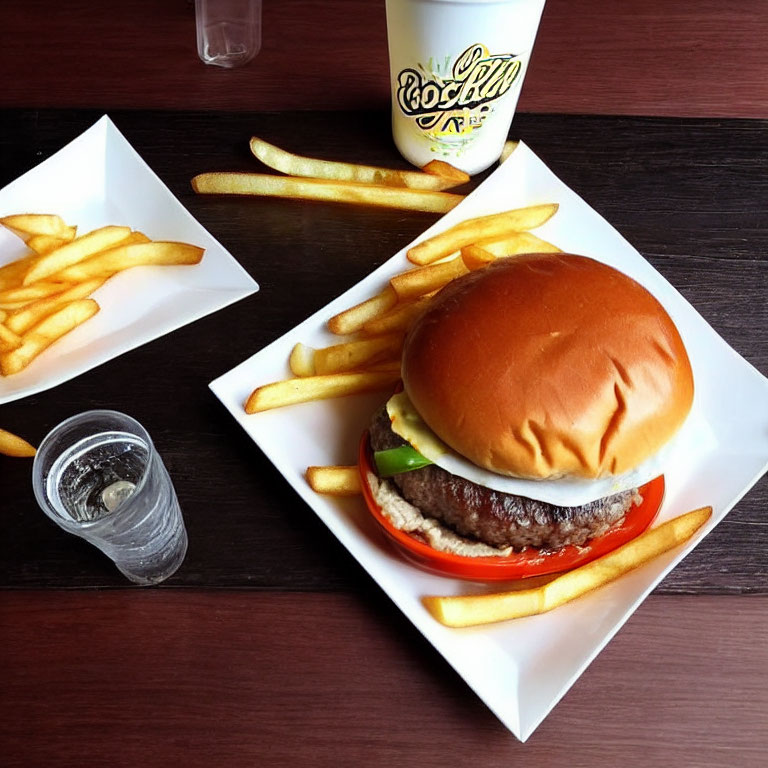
<point>271,644</point>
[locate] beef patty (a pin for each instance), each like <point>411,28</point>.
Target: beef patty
<point>493,517</point>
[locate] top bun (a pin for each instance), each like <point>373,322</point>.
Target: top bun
<point>549,365</point>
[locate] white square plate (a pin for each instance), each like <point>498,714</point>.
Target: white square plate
<point>99,179</point>
<point>521,668</point>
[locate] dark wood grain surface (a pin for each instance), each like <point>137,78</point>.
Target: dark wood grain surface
<point>689,194</point>
<point>635,57</point>
<point>144,678</point>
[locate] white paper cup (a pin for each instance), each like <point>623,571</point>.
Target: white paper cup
<point>456,69</point>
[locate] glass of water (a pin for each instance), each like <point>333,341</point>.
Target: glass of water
<point>98,476</point>
<point>228,31</point>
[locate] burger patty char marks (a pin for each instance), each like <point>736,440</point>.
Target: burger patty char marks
<point>493,517</point>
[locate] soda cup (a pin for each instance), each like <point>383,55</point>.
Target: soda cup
<point>456,69</point>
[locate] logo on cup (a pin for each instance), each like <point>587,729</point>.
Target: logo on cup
<point>453,107</point>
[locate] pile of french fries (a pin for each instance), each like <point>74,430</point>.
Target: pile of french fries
<point>46,294</point>
<point>310,178</point>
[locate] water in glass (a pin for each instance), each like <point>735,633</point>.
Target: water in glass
<point>110,487</point>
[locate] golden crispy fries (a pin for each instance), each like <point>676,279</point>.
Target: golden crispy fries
<point>44,295</point>
<point>355,354</point>
<point>446,171</point>
<point>129,239</point>
<point>23,319</point>
<point>353,319</point>
<point>418,282</point>
<point>39,224</point>
<point>12,306</point>
<point>75,251</point>
<point>509,148</point>
<point>13,445</point>
<point>8,339</point>
<point>323,189</point>
<point>496,226</point>
<point>470,610</point>
<point>302,360</point>
<point>154,253</point>
<point>476,257</point>
<point>387,366</point>
<point>14,296</point>
<point>45,333</point>
<point>42,244</point>
<point>12,274</point>
<point>309,167</point>
<point>334,480</point>
<point>292,391</point>
<point>518,242</point>
<point>399,318</point>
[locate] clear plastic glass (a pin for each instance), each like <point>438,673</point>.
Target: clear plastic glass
<point>228,31</point>
<point>99,477</point>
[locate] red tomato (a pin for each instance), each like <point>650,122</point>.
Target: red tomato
<point>520,565</point>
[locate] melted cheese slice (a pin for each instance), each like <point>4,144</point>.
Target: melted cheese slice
<point>693,439</point>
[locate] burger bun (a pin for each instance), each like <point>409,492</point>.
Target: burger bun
<point>545,366</point>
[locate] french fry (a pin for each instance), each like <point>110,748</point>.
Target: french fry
<point>353,319</point>
<point>418,282</point>
<point>386,366</point>
<point>13,445</point>
<point>310,167</point>
<point>259,184</point>
<point>38,224</point>
<point>446,171</point>
<point>495,226</point>
<point>21,320</point>
<point>15,296</point>
<point>75,251</point>
<point>8,339</point>
<point>302,390</point>
<point>470,610</point>
<point>3,315</point>
<point>302,360</point>
<point>518,242</point>
<point>12,274</point>
<point>334,480</point>
<point>45,333</point>
<point>154,253</point>
<point>42,244</point>
<point>399,318</point>
<point>12,306</point>
<point>355,354</point>
<point>476,257</point>
<point>508,149</point>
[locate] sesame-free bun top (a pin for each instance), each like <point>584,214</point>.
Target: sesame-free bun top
<point>549,365</point>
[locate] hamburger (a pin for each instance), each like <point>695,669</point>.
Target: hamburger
<point>537,395</point>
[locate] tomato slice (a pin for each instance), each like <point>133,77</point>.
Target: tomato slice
<point>519,565</point>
